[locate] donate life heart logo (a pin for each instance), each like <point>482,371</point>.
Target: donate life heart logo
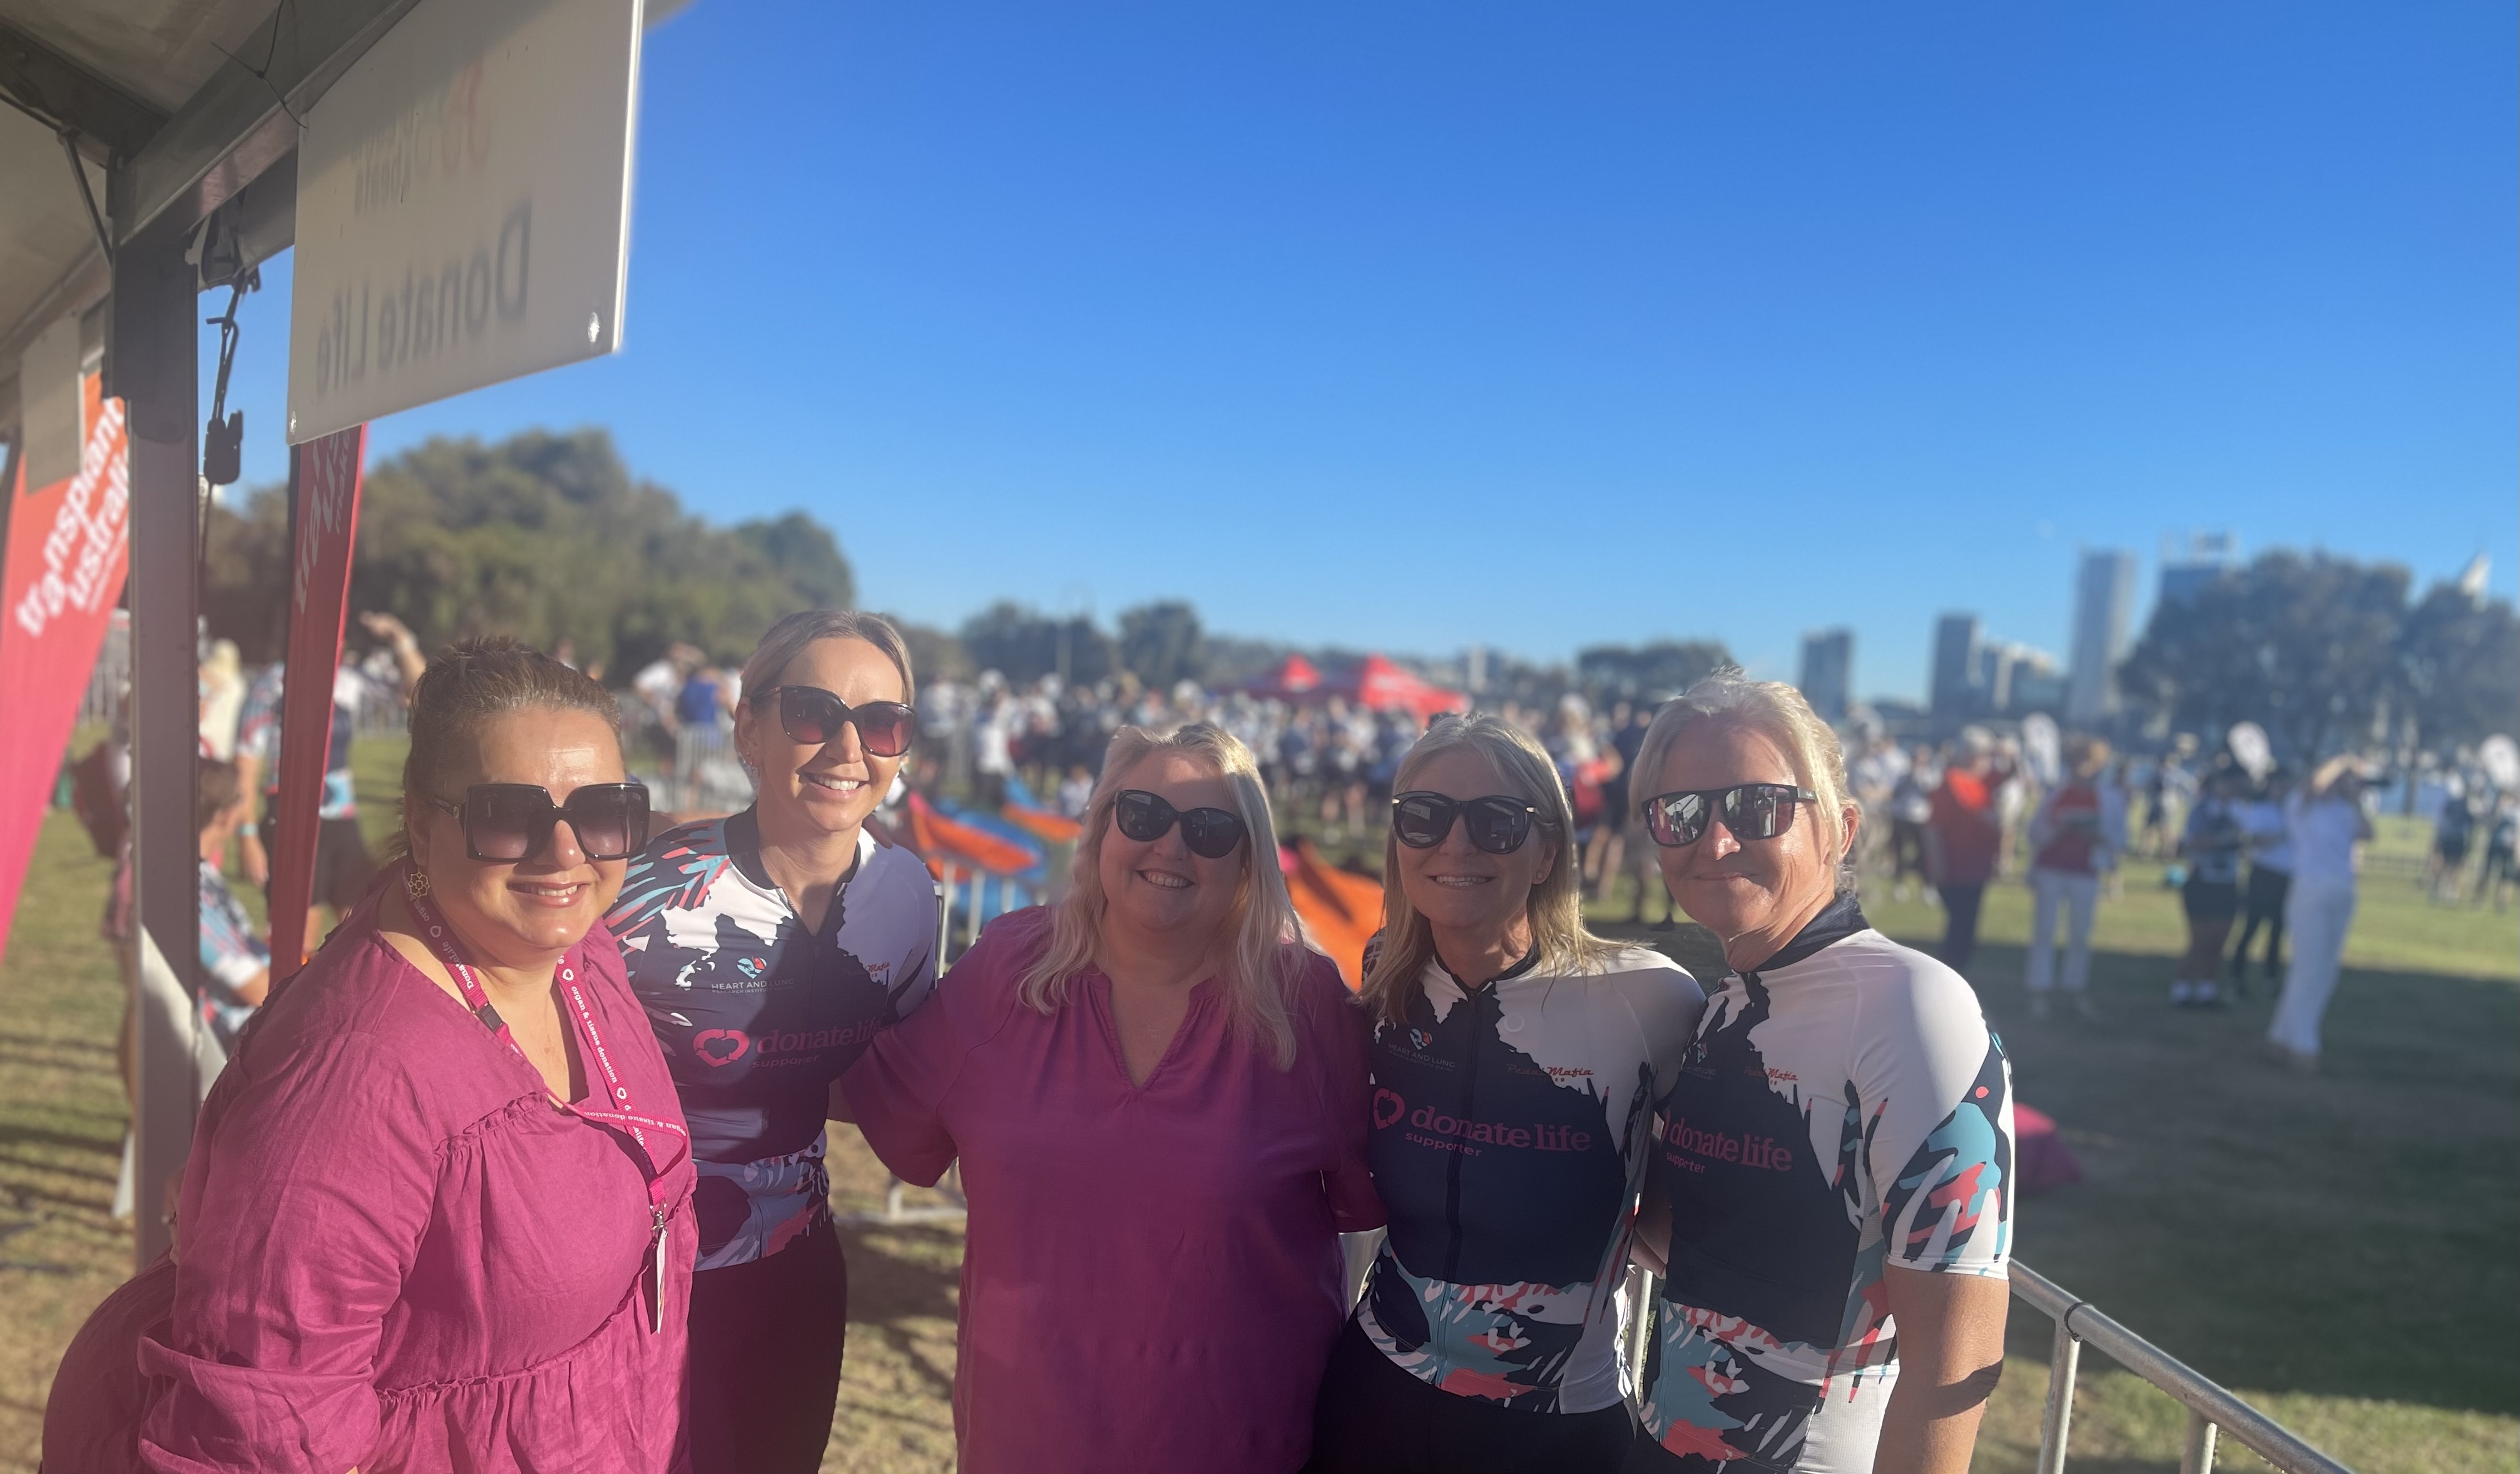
<point>717,1046</point>
<point>1388,1107</point>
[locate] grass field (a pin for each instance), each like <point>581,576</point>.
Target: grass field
<point>2338,1247</point>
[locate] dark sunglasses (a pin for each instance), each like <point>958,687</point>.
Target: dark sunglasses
<point>813,716</point>
<point>1751,811</point>
<point>1146,817</point>
<point>506,822</point>
<point>1498,823</point>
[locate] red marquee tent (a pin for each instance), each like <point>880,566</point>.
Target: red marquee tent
<point>1385,686</point>
<point>1295,678</point>
<point>1377,682</point>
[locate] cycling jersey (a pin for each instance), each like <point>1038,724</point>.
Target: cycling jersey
<point>1512,1125</point>
<point>1844,1108</point>
<point>757,1017</point>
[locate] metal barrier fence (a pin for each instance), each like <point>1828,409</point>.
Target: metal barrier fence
<point>2211,1409</point>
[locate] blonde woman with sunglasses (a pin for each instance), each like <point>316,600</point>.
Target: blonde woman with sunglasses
<point>1516,1059</point>
<point>768,947</point>
<point>1831,1191</point>
<point>1158,1093</point>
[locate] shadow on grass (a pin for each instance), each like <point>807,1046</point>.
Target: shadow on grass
<point>2347,1232</point>
<point>900,1276</point>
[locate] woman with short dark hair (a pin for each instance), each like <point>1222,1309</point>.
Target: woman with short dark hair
<point>436,1210</point>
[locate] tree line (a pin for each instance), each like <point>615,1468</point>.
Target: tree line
<point>549,537</point>
<point>2325,653</point>
<point>545,537</point>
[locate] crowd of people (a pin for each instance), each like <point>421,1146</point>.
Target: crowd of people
<point>580,1219</point>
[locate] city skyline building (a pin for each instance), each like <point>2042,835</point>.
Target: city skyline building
<point>2103,607</point>
<point>1829,672</point>
<point>1955,695</point>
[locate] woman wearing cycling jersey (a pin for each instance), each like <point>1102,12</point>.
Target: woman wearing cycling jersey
<point>1516,1059</point>
<point>768,947</point>
<point>1832,1186</point>
<point>1158,1096</point>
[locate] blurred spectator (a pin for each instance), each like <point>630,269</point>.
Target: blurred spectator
<point>2069,843</point>
<point>222,699</point>
<point>2211,844</point>
<point>2502,853</point>
<point>1962,840</point>
<point>2262,903</point>
<point>2328,826</point>
<point>660,684</point>
<point>2454,837</point>
<point>234,959</point>
<point>342,865</point>
<point>1911,808</point>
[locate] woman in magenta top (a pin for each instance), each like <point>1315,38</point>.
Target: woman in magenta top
<point>1158,1096</point>
<point>431,1197</point>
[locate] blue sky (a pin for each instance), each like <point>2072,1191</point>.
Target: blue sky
<point>1414,324</point>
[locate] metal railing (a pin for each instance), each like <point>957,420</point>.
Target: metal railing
<point>2212,1409</point>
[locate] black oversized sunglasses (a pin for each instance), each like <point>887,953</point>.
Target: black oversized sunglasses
<point>1751,811</point>
<point>506,822</point>
<point>1145,817</point>
<point>1498,823</point>
<point>812,716</point>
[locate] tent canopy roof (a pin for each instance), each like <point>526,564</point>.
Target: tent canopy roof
<point>163,103</point>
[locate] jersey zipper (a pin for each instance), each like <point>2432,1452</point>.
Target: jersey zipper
<point>1469,1113</point>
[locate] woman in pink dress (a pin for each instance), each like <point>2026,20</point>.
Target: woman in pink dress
<point>1158,1096</point>
<point>437,1213</point>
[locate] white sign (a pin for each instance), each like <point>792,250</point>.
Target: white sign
<point>462,206</point>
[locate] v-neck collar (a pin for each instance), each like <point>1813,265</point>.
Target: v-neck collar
<point>1107,1019</point>
<point>1521,967</point>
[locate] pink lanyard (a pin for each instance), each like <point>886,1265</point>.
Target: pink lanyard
<point>618,1116</point>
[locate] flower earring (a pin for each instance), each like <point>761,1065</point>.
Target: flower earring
<point>415,882</point>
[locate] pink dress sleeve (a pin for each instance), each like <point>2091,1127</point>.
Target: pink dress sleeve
<point>898,1089</point>
<point>309,1187</point>
<point>1342,1035</point>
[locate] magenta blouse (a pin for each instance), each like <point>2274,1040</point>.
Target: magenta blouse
<point>1152,1278</point>
<point>396,1254</point>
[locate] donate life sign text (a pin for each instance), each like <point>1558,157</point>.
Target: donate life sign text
<point>462,206</point>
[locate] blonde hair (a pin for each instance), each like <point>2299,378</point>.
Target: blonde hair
<point>1778,710</point>
<point>1555,906</point>
<point>788,639</point>
<point>1268,952</point>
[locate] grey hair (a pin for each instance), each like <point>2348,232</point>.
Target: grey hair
<point>1780,712</point>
